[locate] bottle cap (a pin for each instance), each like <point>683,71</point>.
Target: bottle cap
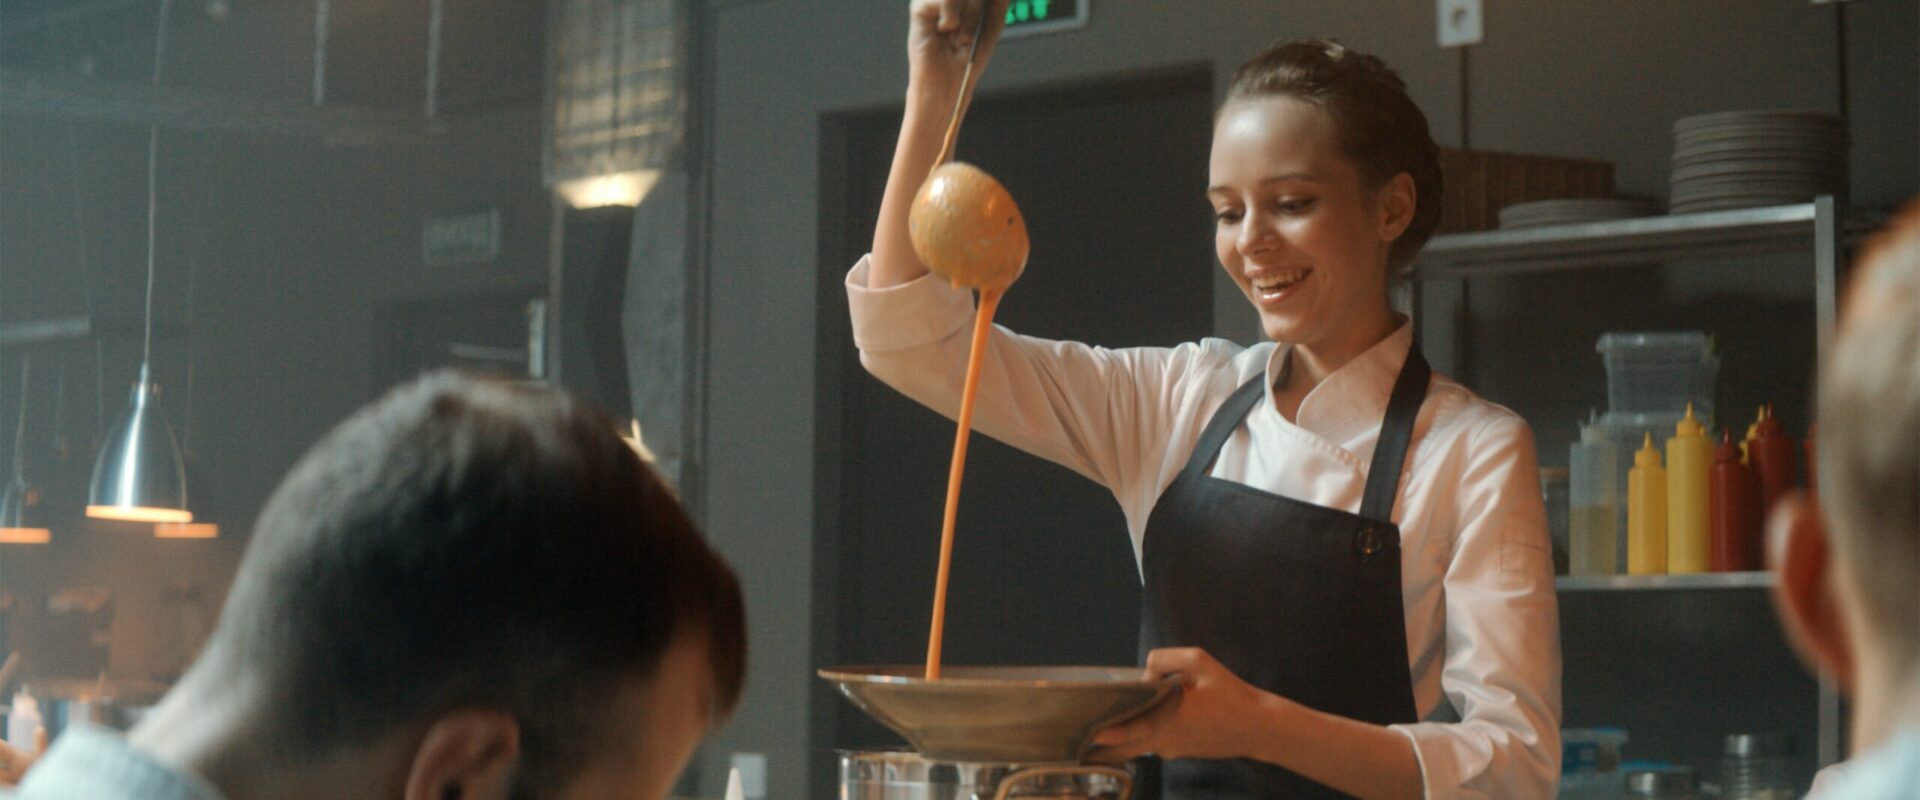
<point>1647,456</point>
<point>1689,425</point>
<point>1769,425</point>
<point>1729,450</point>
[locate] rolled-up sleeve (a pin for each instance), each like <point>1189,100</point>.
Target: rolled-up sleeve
<point>1102,412</point>
<point>1502,663</point>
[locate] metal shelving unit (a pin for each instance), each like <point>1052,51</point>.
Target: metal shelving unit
<point>1703,580</point>
<point>1823,228</point>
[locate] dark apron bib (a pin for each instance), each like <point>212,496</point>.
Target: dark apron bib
<point>1300,600</point>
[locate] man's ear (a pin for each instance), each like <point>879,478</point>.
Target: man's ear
<point>1395,200</point>
<point>465,755</point>
<point>1804,596</point>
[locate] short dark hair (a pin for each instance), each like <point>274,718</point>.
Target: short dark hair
<point>1379,126</point>
<point>471,543</point>
<point>1869,440</point>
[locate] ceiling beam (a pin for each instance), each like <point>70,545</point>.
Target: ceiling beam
<point>71,12</point>
<point>30,93</point>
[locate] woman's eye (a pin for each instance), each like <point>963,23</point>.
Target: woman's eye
<point>1227,214</point>
<point>1295,206</point>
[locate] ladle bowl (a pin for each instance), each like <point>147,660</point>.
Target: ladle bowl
<point>965,226</point>
<point>1020,715</point>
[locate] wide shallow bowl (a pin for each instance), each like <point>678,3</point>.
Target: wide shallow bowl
<point>1003,714</point>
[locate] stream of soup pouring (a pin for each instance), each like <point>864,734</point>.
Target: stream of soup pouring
<point>982,325</point>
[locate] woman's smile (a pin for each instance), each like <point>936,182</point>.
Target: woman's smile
<point>1274,288</point>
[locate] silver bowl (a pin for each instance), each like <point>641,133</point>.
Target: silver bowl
<point>1021,715</point>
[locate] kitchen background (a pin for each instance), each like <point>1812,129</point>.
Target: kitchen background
<point>292,286</point>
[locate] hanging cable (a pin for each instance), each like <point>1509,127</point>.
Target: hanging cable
<point>322,11</point>
<point>434,20</point>
<point>153,182</point>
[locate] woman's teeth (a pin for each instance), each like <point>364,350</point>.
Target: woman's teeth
<point>1275,283</point>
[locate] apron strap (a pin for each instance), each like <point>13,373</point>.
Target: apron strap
<point>1396,433</point>
<point>1221,426</point>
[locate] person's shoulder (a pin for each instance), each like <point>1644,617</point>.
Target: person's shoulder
<point>1479,421</point>
<point>1224,360</point>
<point>1889,772</point>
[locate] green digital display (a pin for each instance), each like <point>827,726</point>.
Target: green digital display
<point>1036,16</point>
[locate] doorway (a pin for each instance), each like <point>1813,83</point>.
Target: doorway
<point>1111,176</point>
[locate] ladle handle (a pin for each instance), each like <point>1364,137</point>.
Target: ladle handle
<point>966,88</point>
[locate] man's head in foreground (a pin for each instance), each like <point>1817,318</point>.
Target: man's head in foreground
<point>471,589</point>
<point>1849,589</point>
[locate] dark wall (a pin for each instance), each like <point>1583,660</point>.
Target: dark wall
<point>297,250</point>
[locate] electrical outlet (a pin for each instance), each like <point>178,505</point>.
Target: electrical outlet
<point>1458,22</point>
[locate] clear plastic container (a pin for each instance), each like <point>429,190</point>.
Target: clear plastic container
<point>1659,373</point>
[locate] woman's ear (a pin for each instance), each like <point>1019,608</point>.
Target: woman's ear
<point>465,755</point>
<point>1804,596</point>
<point>1395,201</point>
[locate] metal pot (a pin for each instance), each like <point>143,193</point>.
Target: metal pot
<point>891,775</point>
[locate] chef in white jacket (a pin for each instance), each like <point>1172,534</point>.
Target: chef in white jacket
<point>1344,555</point>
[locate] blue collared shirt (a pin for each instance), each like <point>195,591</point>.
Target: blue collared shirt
<point>89,763</point>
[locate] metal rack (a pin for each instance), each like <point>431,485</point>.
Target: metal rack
<point>1823,226</point>
<point>1703,580</point>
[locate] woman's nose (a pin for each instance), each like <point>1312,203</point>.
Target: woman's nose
<point>1256,234</point>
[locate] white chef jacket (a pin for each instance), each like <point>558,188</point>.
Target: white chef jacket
<point>1476,574</point>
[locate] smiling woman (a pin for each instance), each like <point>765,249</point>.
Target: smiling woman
<point>1379,525</point>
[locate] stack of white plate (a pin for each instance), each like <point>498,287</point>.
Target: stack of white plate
<point>1572,210</point>
<point>1740,159</point>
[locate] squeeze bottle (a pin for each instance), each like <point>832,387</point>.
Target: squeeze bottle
<point>1772,459</point>
<point>1646,513</point>
<point>1689,459</point>
<point>1735,510</point>
<point>1593,500</point>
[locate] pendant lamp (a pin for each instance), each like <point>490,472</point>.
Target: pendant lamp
<point>16,502</point>
<point>139,475</point>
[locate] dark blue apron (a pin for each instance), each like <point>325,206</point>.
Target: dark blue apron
<point>1300,600</point>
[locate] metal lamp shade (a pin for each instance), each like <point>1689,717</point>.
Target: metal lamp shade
<point>14,525</point>
<point>140,476</point>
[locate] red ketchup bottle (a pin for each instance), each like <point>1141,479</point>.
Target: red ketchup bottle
<point>1771,456</point>
<point>1733,505</point>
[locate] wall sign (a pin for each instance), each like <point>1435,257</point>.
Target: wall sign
<point>460,238</point>
<point>1045,16</point>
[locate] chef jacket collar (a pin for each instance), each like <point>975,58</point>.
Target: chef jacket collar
<point>1350,403</point>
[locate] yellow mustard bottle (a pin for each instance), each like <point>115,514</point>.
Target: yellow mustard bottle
<point>1753,432</point>
<point>1646,513</point>
<point>1689,461</point>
